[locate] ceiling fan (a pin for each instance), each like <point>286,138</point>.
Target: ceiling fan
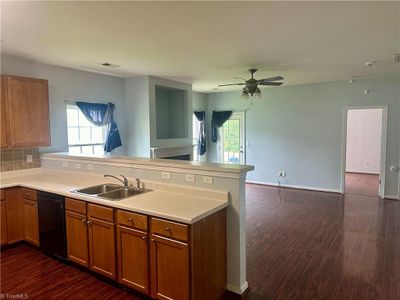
<point>251,85</point>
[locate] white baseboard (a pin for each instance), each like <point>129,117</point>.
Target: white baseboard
<point>391,197</point>
<point>236,289</point>
<point>312,188</point>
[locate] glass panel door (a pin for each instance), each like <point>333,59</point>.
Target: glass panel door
<point>232,146</point>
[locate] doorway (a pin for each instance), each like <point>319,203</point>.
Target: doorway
<point>232,141</point>
<point>364,151</point>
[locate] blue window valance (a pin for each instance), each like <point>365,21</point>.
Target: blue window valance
<point>218,119</point>
<point>101,114</point>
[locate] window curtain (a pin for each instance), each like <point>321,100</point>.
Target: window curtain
<point>100,114</point>
<point>217,120</point>
<point>201,117</point>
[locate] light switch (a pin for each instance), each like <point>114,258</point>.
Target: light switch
<point>29,158</point>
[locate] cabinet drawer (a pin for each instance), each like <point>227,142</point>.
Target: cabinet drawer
<point>2,195</point>
<point>75,206</point>
<point>29,194</point>
<point>131,219</point>
<point>169,229</point>
<point>101,212</point>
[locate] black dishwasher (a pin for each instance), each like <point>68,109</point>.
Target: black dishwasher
<point>52,234</point>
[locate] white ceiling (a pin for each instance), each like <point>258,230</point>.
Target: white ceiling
<point>208,43</point>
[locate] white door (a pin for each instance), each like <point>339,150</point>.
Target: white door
<point>232,140</point>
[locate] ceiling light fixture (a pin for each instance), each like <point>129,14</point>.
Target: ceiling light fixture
<point>370,63</point>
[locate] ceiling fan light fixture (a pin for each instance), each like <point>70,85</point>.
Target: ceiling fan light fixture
<point>257,93</point>
<point>245,94</point>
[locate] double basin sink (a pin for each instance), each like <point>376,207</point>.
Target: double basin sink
<point>110,191</point>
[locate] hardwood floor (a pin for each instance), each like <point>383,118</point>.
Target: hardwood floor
<point>300,245</point>
<point>362,184</point>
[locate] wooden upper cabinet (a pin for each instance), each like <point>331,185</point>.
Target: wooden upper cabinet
<point>27,112</point>
<point>31,223</point>
<point>5,131</point>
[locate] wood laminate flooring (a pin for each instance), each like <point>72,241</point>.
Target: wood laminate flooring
<point>300,245</point>
<point>362,184</point>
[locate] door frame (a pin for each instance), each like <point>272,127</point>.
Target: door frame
<point>241,134</point>
<point>382,175</point>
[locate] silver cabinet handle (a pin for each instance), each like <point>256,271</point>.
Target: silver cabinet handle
<point>88,222</point>
<point>143,237</point>
<point>167,229</point>
<point>130,219</point>
<point>83,220</point>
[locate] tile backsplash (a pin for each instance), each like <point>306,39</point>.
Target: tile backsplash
<point>16,159</point>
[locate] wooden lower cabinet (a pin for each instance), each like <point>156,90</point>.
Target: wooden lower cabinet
<point>163,259</point>
<point>169,264</point>
<point>77,238</point>
<point>3,221</point>
<point>14,215</point>
<point>31,222</point>
<point>102,247</point>
<point>133,259</point>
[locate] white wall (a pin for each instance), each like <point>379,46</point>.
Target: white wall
<point>74,85</point>
<point>299,129</point>
<point>363,146</point>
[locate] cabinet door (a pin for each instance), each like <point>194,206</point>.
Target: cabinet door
<point>77,238</point>
<point>31,225</point>
<point>3,233</point>
<point>4,136</point>
<point>15,215</point>
<point>28,106</point>
<point>132,254</point>
<point>169,267</point>
<point>102,247</point>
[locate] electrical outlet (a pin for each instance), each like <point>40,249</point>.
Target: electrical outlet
<point>166,175</point>
<point>282,173</point>
<point>29,158</point>
<point>89,167</point>
<point>189,177</point>
<point>77,166</point>
<point>65,164</point>
<point>207,180</point>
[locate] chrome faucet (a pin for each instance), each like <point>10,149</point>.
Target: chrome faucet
<point>124,181</point>
<point>138,184</point>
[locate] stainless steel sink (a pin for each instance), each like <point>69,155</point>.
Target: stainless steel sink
<point>121,194</point>
<point>99,189</point>
<point>109,191</point>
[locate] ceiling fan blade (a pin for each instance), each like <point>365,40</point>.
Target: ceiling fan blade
<point>271,79</point>
<point>271,83</point>
<point>240,78</point>
<point>240,83</point>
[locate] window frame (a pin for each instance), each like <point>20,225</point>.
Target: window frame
<point>78,127</point>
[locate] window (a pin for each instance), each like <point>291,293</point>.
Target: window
<point>83,137</point>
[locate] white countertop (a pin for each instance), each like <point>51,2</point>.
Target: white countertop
<point>173,202</point>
